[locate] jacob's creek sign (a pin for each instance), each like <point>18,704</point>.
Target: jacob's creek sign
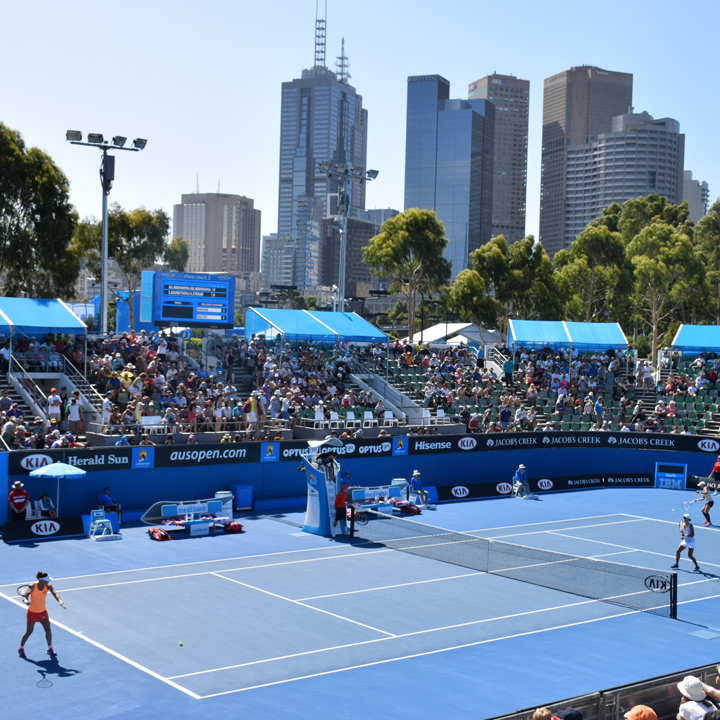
<point>164,456</point>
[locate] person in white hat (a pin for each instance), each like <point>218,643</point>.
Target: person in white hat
<point>416,486</point>
<point>694,702</point>
<point>707,499</point>
<point>521,486</point>
<point>687,535</point>
<point>18,499</point>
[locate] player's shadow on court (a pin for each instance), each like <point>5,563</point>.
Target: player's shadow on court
<point>52,666</point>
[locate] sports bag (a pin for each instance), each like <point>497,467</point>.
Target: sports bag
<point>233,527</point>
<point>159,534</point>
<point>410,509</point>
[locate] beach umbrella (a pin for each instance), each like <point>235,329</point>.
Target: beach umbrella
<point>59,471</point>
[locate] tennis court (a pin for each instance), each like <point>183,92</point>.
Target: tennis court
<point>280,622</point>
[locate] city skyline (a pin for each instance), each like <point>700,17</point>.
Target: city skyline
<point>226,131</point>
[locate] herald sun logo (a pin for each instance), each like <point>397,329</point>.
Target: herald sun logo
<point>545,484</point>
<point>467,443</point>
<point>460,491</point>
<point>709,445</point>
<point>35,461</point>
<point>44,527</point>
<point>504,488</point>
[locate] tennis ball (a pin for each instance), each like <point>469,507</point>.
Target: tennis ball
<point>180,644</point>
<point>673,509</point>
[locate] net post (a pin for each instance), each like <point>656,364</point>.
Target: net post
<point>352,521</point>
<point>673,596</point>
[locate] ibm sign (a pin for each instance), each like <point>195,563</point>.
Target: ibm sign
<point>670,477</point>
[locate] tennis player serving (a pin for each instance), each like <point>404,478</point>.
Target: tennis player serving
<point>687,535</point>
<point>34,596</point>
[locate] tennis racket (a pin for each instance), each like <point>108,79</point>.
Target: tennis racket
<point>688,503</point>
<point>24,591</point>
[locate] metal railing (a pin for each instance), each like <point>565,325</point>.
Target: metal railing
<point>81,383</point>
<point>35,397</point>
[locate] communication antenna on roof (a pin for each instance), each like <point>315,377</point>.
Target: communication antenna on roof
<point>197,184</point>
<point>218,186</point>
<point>320,30</point>
<point>343,65</point>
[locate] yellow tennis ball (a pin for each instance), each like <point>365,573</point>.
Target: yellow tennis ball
<point>180,644</point>
<point>673,509</point>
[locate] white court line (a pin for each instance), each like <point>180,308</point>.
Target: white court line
<point>578,527</point>
<point>550,522</point>
<point>238,569</point>
<point>309,607</point>
<point>404,635</point>
<point>422,654</point>
<point>80,635</point>
<point>176,565</point>
<point>390,587</point>
<point>625,547</point>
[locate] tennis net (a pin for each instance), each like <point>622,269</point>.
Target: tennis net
<point>633,587</point>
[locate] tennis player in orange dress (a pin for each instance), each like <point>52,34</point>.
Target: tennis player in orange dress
<point>37,613</point>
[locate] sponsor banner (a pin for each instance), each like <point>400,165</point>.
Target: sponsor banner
<point>633,480</point>
<point>143,458</point>
<point>270,452</point>
<point>43,529</point>
<point>400,445</point>
<point>473,491</point>
<point>556,440</point>
<point>573,482</point>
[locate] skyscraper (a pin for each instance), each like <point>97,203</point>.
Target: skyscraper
<point>697,194</point>
<point>223,232</point>
<point>639,157</point>
<point>578,106</point>
<point>322,119</point>
<point>511,98</point>
<point>449,163</point>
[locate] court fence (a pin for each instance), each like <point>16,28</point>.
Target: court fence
<point>660,693</point>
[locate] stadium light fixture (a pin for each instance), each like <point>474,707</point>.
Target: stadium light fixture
<point>118,141</point>
<point>95,138</point>
<point>73,136</point>
<point>139,143</point>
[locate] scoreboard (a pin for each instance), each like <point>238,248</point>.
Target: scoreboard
<point>194,299</point>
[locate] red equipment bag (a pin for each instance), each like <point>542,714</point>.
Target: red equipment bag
<point>233,527</point>
<point>410,509</point>
<point>159,534</point>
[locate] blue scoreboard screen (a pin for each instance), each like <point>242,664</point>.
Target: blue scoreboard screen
<point>194,299</point>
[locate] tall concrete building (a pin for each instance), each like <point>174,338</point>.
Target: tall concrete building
<point>639,157</point>
<point>449,163</point>
<point>322,120</point>
<point>278,261</point>
<point>578,106</point>
<point>223,232</point>
<point>511,98</point>
<point>697,195</point>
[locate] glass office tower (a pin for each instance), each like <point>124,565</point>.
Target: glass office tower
<point>449,163</point>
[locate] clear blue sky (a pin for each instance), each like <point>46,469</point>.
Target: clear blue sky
<point>201,81</point>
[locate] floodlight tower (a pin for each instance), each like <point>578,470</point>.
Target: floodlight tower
<point>107,175</point>
<point>345,176</point>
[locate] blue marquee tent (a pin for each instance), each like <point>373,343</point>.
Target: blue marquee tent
<point>296,325</point>
<point>37,317</point>
<point>697,338</point>
<point>557,334</point>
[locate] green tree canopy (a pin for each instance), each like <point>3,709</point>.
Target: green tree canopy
<point>177,254</point>
<point>594,275</point>
<point>37,222</point>
<point>707,241</point>
<point>409,252</point>
<point>515,281</point>
<point>667,272</point>
<point>136,241</point>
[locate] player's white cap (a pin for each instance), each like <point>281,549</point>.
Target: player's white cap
<point>686,516</point>
<point>701,482</point>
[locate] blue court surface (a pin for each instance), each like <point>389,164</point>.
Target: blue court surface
<point>278,623</point>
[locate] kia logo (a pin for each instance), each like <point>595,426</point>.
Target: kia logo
<point>504,488</point>
<point>467,443</point>
<point>709,445</point>
<point>459,491</point>
<point>44,527</point>
<point>545,484</point>
<point>657,583</point>
<point>33,462</point>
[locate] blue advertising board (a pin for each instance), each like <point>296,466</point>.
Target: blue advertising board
<point>194,299</point>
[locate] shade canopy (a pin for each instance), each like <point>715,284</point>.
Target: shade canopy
<point>697,338</point>
<point>58,471</point>
<point>296,325</point>
<point>558,334</point>
<point>38,317</point>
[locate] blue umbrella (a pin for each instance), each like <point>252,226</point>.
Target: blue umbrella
<point>59,471</point>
